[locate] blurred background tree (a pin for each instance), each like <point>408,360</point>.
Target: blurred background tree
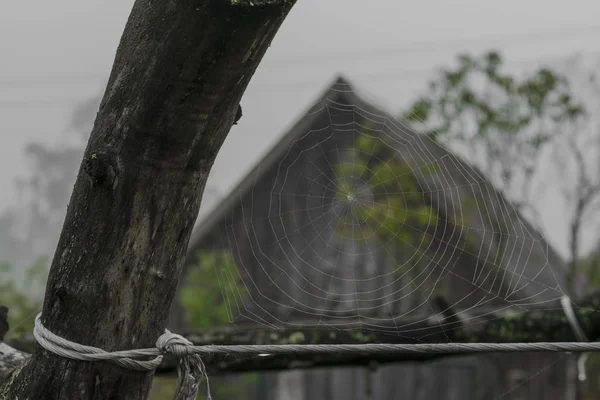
<point>30,229</point>
<point>523,131</point>
<point>24,300</point>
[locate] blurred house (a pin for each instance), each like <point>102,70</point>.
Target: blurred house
<point>279,224</point>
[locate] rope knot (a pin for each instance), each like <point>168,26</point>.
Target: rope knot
<point>173,344</point>
<point>190,368</point>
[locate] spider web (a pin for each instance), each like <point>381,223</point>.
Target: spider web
<point>355,221</point>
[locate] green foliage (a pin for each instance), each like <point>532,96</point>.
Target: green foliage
<point>213,290</point>
<point>590,266</point>
<point>381,197</point>
<point>497,120</point>
<point>24,301</point>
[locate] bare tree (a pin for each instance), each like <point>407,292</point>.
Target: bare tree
<point>575,163</point>
<point>172,97</point>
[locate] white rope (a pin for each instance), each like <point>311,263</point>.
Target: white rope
<point>431,348</point>
<point>567,307</point>
<point>75,351</point>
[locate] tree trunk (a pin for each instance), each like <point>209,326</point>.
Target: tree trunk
<point>172,97</point>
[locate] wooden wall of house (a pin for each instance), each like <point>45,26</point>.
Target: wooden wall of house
<point>295,268</point>
<point>504,377</point>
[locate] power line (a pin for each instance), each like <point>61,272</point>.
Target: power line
<point>419,47</point>
<point>444,44</point>
<point>38,103</point>
<point>400,75</point>
<point>62,79</point>
<point>372,77</point>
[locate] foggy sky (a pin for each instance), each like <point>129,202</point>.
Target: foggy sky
<point>56,54</point>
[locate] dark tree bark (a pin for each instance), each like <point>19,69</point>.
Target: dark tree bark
<point>172,97</point>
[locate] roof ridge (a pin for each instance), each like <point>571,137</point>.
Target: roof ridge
<point>340,86</point>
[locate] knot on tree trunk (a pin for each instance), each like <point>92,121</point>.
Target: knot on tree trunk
<point>103,168</point>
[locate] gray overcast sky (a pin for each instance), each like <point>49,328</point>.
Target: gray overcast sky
<point>54,54</point>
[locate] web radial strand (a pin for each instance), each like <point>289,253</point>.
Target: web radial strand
<point>355,221</point>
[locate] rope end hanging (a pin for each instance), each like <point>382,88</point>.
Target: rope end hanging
<point>190,367</point>
<point>567,306</point>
